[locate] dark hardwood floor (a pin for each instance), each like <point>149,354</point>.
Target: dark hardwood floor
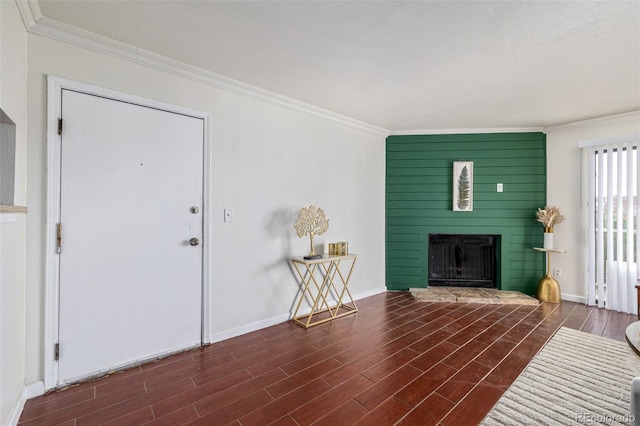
<point>396,361</point>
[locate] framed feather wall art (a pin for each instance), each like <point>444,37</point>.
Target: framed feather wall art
<point>463,186</point>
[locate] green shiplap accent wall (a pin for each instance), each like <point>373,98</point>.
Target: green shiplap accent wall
<point>419,202</point>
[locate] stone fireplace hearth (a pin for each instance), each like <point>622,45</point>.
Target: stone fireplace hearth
<point>471,295</point>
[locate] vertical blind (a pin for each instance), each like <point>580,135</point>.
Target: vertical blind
<point>611,215</point>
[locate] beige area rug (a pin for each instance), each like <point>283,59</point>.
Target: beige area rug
<point>577,378</point>
<point>471,295</point>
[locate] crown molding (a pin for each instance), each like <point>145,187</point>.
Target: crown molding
<point>463,131</point>
<point>29,12</point>
<point>36,23</point>
<point>633,138</point>
<point>635,113</point>
<point>43,26</point>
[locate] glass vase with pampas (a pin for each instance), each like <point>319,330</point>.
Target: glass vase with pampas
<point>549,217</point>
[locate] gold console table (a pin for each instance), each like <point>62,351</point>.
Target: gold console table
<point>324,286</point>
<point>548,287</point>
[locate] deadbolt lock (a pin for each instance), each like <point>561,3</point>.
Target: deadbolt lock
<point>194,209</point>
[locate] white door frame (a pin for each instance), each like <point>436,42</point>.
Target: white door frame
<point>52,268</point>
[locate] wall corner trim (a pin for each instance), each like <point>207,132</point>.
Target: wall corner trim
<point>29,12</point>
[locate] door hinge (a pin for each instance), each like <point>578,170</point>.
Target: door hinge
<point>56,352</point>
<point>59,126</point>
<point>59,238</point>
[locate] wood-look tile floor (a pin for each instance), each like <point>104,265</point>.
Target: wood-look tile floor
<point>397,361</point>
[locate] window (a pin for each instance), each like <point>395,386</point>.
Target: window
<point>611,213</point>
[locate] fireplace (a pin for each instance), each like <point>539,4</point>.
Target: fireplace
<point>458,260</point>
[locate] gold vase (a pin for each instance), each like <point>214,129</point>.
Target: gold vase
<point>548,287</point>
<point>549,290</point>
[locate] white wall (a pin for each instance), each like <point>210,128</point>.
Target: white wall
<point>564,188</point>
<point>13,93</point>
<point>267,162</point>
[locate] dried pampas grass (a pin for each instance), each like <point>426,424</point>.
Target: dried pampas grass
<point>549,216</point>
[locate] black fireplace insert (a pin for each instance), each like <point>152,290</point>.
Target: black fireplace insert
<point>459,260</point>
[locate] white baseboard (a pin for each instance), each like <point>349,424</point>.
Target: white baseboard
<point>34,389</point>
<point>29,391</point>
<point>370,293</point>
<point>17,410</point>
<point>573,298</point>
<point>259,325</point>
<point>228,334</point>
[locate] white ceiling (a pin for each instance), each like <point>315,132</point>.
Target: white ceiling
<point>399,65</point>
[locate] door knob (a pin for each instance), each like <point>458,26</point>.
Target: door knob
<point>194,241</point>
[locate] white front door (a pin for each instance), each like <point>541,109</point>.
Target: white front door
<point>131,201</point>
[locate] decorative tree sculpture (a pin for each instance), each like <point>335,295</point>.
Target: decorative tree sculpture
<point>312,221</point>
